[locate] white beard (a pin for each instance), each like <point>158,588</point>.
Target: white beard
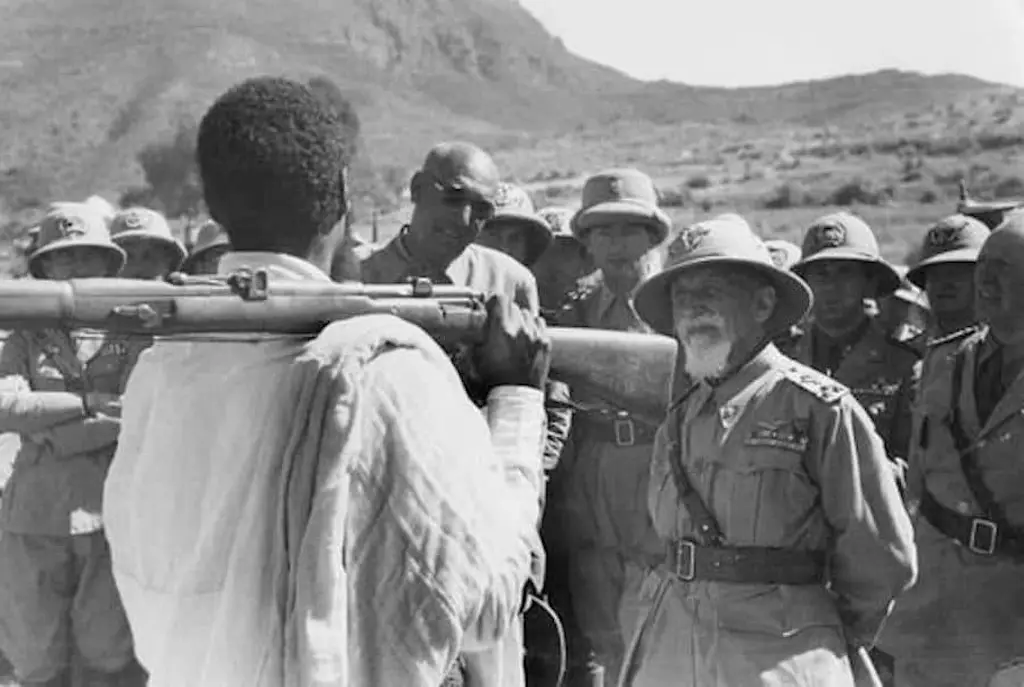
<point>706,354</point>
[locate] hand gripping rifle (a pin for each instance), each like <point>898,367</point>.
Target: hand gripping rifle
<point>631,371</point>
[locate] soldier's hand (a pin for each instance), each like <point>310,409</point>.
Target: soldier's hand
<point>100,403</point>
<point>516,350</point>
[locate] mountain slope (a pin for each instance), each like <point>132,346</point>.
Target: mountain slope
<point>88,82</point>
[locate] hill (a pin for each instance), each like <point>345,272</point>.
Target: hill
<point>81,103</point>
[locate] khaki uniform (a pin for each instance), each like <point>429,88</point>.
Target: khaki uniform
<point>596,515</point>
<point>878,370</point>
<point>57,586</point>
<point>965,616</point>
<point>782,457</point>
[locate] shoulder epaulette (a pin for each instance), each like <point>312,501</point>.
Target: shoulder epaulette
<point>819,385</point>
<point>955,336</point>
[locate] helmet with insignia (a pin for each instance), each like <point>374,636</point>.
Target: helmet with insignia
<point>513,207</point>
<point>730,242</point>
<point>139,224</point>
<point>210,235</point>
<point>844,236</point>
<point>957,238</point>
<point>621,195</point>
<point>785,253</point>
<point>74,225</point>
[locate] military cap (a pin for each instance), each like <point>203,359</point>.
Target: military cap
<point>621,195</point>
<point>560,220</point>
<point>727,241</point>
<point>785,254</point>
<point>139,224</point>
<point>844,236</point>
<point>74,225</point>
<point>957,238</point>
<point>458,167</point>
<point>512,204</point>
<point>209,235</point>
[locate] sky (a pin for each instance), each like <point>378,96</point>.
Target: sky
<point>765,42</point>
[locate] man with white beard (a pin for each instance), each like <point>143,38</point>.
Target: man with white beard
<point>786,541</point>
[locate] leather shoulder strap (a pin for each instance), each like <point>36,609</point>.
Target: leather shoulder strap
<point>969,454</point>
<point>707,526</point>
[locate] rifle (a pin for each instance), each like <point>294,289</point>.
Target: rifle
<point>631,371</point>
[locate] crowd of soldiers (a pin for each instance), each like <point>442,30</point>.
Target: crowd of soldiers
<point>833,492</point>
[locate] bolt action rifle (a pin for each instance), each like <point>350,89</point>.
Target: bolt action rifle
<point>629,371</point>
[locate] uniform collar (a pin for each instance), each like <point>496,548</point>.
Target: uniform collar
<point>457,270</point>
<point>279,265</point>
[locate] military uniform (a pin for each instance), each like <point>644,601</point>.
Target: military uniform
<point>596,529</point>
<point>965,617</point>
<point>876,367</point>
<point>57,592</point>
<point>788,463</point>
<point>870,361</point>
<point>784,537</point>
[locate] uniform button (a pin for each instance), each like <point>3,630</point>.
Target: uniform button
<point>963,508</point>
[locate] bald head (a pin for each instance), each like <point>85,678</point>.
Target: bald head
<point>462,168</point>
<point>999,280</point>
<point>453,195</point>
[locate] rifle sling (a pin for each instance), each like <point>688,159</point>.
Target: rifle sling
<point>991,534</point>
<point>968,453</point>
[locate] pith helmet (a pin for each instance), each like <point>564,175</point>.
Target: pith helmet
<point>843,236</point>
<point>74,225</point>
<point>145,225</point>
<point>957,238</point>
<point>513,204</point>
<point>621,195</point>
<point>726,241</point>
<point>209,235</point>
<point>784,253</point>
<point>560,221</point>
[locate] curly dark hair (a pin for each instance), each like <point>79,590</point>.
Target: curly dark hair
<point>271,156</point>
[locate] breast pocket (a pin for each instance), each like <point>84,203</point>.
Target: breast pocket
<point>767,493</point>
<point>879,400</point>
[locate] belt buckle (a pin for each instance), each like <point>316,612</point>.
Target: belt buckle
<point>982,539</point>
<point>625,431</point>
<point>686,550</point>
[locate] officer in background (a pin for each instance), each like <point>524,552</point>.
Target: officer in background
<point>453,195</point>
<point>842,264</point>
<point>904,313</point>
<point>566,261</point>
<point>965,617</point>
<point>146,238</point>
<point>515,229</point>
<point>595,518</point>
<point>60,391</point>
<point>784,537</point>
<point>945,270</point>
<point>211,243</point>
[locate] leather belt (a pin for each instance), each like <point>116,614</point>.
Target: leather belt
<point>620,430</point>
<point>980,535</point>
<point>690,561</point>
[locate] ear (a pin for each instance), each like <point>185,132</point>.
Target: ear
<point>415,187</point>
